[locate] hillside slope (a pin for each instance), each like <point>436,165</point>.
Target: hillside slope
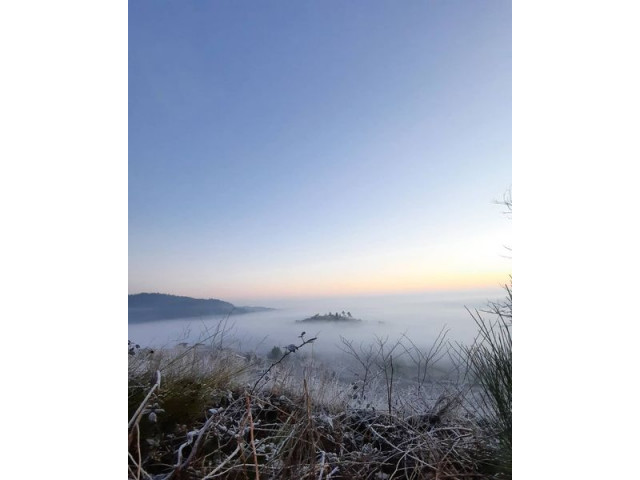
<point>145,307</point>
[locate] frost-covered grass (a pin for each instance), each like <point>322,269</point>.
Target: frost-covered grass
<point>489,363</point>
<point>387,411</point>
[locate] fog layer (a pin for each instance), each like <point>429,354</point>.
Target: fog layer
<point>419,316</point>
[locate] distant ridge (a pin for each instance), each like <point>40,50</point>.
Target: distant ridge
<point>147,307</point>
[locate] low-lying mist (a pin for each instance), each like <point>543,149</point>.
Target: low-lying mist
<point>420,317</point>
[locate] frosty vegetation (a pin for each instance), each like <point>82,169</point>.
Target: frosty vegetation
<point>391,410</point>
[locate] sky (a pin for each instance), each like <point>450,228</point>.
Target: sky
<point>315,148</point>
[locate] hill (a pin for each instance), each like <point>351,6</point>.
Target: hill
<point>331,317</point>
<point>146,307</point>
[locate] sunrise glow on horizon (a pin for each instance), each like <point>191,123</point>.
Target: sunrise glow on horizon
<point>316,282</point>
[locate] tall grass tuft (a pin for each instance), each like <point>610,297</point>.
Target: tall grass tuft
<point>489,365</point>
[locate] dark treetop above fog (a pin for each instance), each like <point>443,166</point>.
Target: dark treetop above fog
<point>332,317</point>
<point>145,307</point>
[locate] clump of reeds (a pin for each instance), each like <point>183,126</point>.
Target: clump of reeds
<point>489,366</point>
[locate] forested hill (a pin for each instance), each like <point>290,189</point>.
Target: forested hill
<point>145,307</point>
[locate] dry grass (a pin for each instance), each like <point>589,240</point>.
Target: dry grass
<point>212,413</point>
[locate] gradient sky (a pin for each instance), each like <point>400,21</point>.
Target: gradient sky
<point>303,148</point>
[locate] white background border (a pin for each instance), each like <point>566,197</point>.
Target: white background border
<point>63,124</point>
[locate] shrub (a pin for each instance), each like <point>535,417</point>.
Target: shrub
<point>275,353</point>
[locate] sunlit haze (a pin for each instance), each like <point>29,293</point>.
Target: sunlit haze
<point>306,149</point>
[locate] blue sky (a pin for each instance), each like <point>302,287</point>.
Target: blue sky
<point>317,148</point>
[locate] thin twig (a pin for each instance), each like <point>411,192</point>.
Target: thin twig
<point>335,470</point>
<point>144,402</point>
<point>222,464</point>
<point>285,355</point>
<point>253,444</point>
<point>139,452</point>
<point>321,466</point>
<point>196,444</point>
